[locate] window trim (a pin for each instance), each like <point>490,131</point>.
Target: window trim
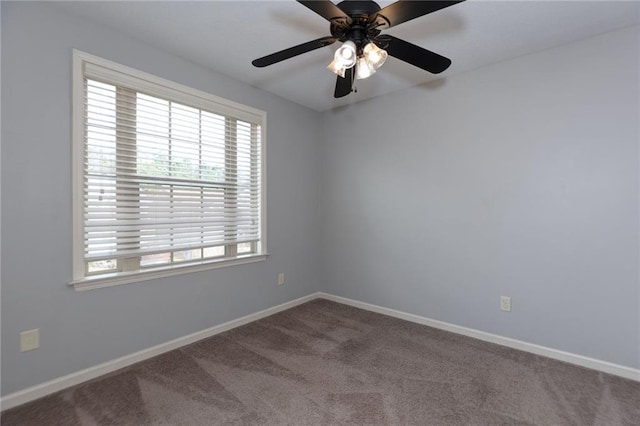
<point>162,87</point>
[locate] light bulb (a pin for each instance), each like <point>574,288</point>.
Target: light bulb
<point>363,69</point>
<point>374,55</point>
<point>336,68</point>
<point>345,56</point>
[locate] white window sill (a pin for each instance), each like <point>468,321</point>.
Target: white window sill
<point>118,278</point>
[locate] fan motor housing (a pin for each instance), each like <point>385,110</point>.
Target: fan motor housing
<point>358,8</point>
<point>359,29</point>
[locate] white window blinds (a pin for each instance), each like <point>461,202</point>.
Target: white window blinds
<point>165,179</point>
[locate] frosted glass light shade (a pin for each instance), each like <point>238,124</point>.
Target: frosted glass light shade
<point>336,68</point>
<point>346,54</point>
<point>374,55</point>
<point>363,69</point>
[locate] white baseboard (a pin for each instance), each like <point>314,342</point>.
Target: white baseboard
<point>583,361</point>
<point>47,388</point>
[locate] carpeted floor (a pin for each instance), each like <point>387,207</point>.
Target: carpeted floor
<point>323,363</point>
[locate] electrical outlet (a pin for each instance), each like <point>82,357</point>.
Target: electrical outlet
<point>29,340</point>
<point>281,278</point>
<point>505,303</point>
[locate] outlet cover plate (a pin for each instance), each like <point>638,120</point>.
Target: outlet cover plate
<point>29,340</point>
<point>505,303</point>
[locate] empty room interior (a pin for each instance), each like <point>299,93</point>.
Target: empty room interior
<point>320,212</point>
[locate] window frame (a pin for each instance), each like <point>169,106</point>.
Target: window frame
<point>145,82</point>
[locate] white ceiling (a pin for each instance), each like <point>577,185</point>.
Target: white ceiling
<point>226,36</point>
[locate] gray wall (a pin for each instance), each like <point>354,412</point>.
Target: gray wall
<point>518,179</point>
<point>82,329</point>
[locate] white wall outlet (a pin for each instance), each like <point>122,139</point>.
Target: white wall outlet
<point>29,340</point>
<point>505,303</point>
<point>281,278</point>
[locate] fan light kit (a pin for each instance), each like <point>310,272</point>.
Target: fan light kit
<point>366,64</point>
<point>358,24</point>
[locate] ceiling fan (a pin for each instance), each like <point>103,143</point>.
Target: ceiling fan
<point>358,25</point>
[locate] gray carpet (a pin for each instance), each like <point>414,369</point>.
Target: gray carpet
<point>323,363</point>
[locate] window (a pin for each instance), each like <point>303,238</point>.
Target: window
<point>168,179</point>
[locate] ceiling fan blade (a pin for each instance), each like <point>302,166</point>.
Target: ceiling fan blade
<point>293,51</point>
<point>415,55</point>
<point>406,10</point>
<point>344,86</point>
<point>326,9</point>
